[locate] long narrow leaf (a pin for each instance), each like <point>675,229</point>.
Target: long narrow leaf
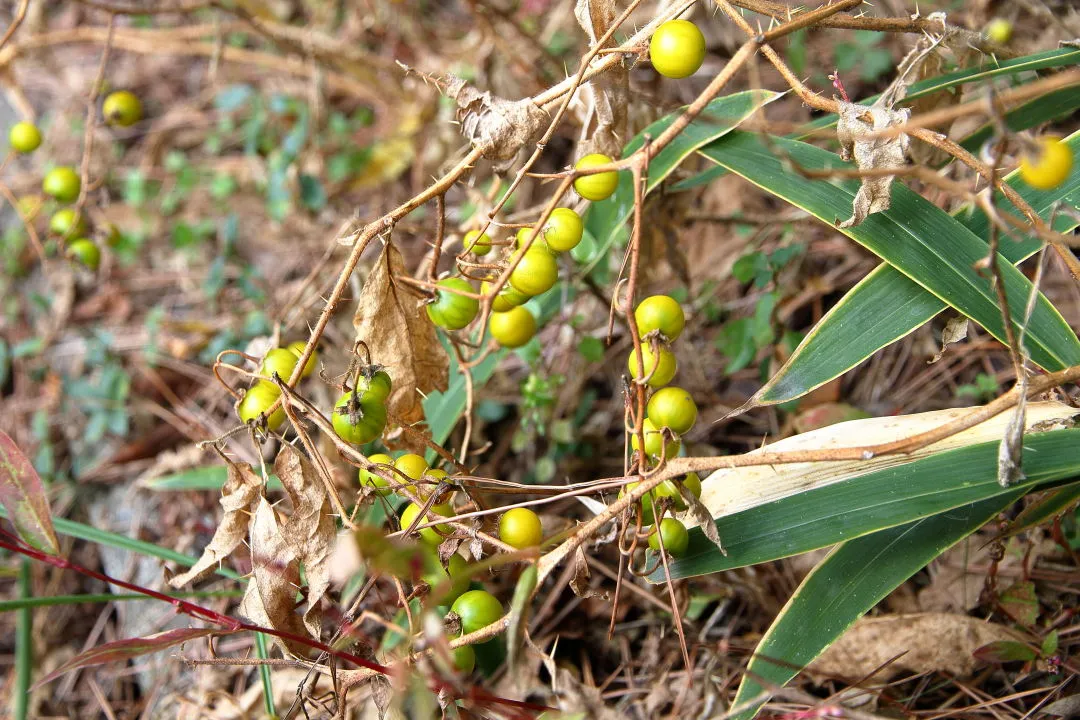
<point>886,305</point>
<point>872,502</point>
<point>81,531</point>
<point>1061,57</point>
<point>607,220</point>
<point>848,582</point>
<point>923,242</point>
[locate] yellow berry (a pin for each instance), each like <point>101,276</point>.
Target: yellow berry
<point>1050,167</point>
<point>999,30</point>
<point>24,137</point>
<point>677,49</point>
<point>122,108</point>
<point>598,186</point>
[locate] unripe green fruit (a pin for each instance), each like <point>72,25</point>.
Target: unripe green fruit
<point>68,223</point>
<point>477,609</point>
<point>258,400</point>
<point>62,183</point>
<point>676,538</point>
<point>86,252</point>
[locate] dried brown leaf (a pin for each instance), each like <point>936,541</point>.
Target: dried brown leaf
<point>696,510</point>
<point>498,127</point>
<point>310,529</point>
<point>237,496</point>
<point>606,94</point>
<point>390,319</point>
<point>579,582</point>
<point>928,642</point>
<point>854,131</point>
<point>23,496</point>
<point>270,599</point>
<point>128,648</point>
<point>956,329</point>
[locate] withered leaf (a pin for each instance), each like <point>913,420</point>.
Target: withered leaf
<point>956,329</point>
<point>270,598</point>
<point>606,94</point>
<point>855,130</point>
<point>701,516</point>
<point>310,529</point>
<point>120,650</point>
<point>390,319</point>
<point>497,126</point>
<point>1011,449</point>
<point>579,582</point>
<point>238,494</point>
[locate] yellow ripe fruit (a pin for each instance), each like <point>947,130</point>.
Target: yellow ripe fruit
<point>297,349</point>
<point>677,49</point>
<point>999,31</point>
<point>431,535</point>
<point>1050,168</point>
<point>598,186</point>
<point>62,183</point>
<point>662,368</point>
<point>479,244</point>
<point>24,137</point>
<point>654,441</point>
<point>507,298</point>
<point>536,272</point>
<point>513,328</point>
<point>122,108</point>
<point>370,479</point>
<point>520,528</point>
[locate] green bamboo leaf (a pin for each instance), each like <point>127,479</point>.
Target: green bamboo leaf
<point>1046,108</point>
<point>1054,504</point>
<point>1060,57</point>
<point>607,220</point>
<point>886,305</point>
<point>923,242</point>
<point>875,501</point>
<point>848,582</point>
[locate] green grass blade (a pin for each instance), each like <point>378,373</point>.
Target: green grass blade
<point>36,602</point>
<point>81,531</point>
<point>846,584</point>
<point>24,646</point>
<point>209,477</point>
<point>264,675</point>
<point>886,305</point>
<point>875,501</point>
<point>923,242</point>
<point>1060,57</point>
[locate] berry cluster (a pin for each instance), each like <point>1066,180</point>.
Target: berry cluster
<point>671,412</point>
<point>260,396</point>
<point>63,184</point>
<point>449,583</point>
<point>536,270</point>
